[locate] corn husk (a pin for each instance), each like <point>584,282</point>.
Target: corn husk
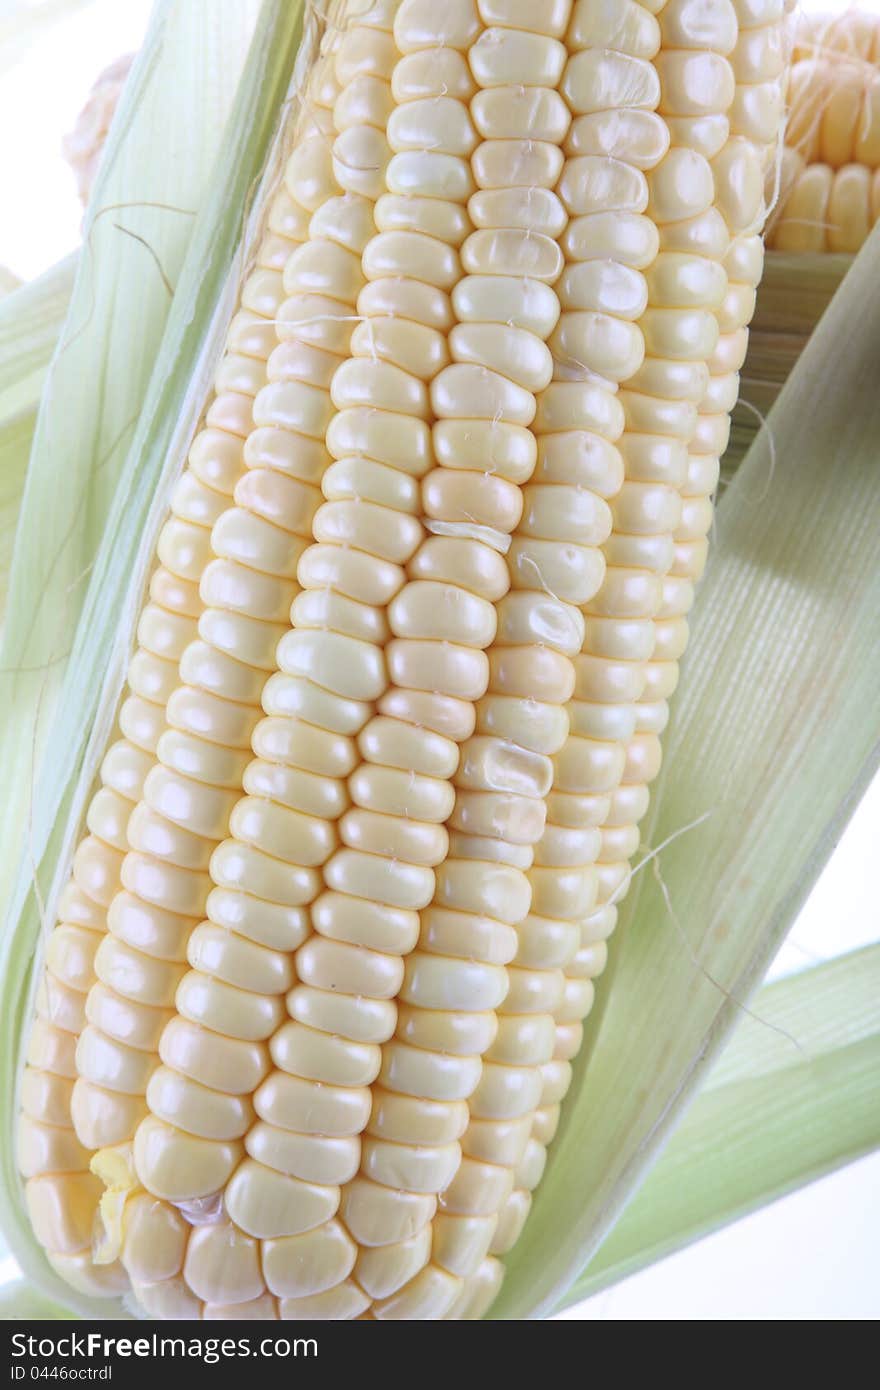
<point>794,294</point>
<point>30,324</point>
<point>796,1095</point>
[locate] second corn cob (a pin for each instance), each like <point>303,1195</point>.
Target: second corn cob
<point>829,180</point>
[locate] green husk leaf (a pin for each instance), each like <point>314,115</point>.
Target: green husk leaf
<point>16,435</point>
<point>19,1302</point>
<point>30,324</point>
<point>31,318</point>
<point>795,292</point>
<point>773,739</point>
<point>158,397</point>
<point>795,1095</point>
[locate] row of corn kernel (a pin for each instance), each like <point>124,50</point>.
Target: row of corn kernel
<point>835,113</point>
<point>611,89</point>
<point>434,678</point>
<point>490,389</point>
<point>440,621</point>
<point>733,191</point>
<point>189,793</point>
<point>553,564</point>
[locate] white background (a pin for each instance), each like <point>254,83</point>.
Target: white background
<point>813,1255</point>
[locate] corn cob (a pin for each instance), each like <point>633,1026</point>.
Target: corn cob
<point>83,148</point>
<point>829,183</point>
<point>388,838</point>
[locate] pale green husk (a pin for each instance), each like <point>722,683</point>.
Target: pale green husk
<point>773,738</point>
<point>795,292</point>
<point>31,317</point>
<point>795,1095</point>
<point>30,325</point>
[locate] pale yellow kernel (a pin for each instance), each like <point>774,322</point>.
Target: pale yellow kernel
<point>505,113</point>
<point>802,225</point>
<point>505,57</point>
<point>849,212</point>
<point>61,1208</point>
<point>378,1216</point>
<point>694,83</point>
<point>520,14</point>
<point>312,1158</point>
<point>45,1148</point>
<point>461,1033</point>
<point>432,72</point>
<point>600,79</point>
<point>694,24</point>
<point>626,26</point>
<point>414,1072</point>
<point>536,209</point>
<point>528,305</point>
<point>301,1266</point>
<point>267,1204</point>
<point>512,1216</point>
<point>478,1292</point>
<point>369,1020</point>
<point>310,1108</point>
<point>223,1265</point>
<point>384,1269</point>
<point>419,24</point>
<point>263,1309</point>
<point>197,1110</point>
<point>410,1168</point>
<point>480,1189</point>
<point>636,136</point>
<point>429,1295</point>
<point>154,1239</point>
<point>342,1302</point>
<point>594,183</point>
<point>178,1166</point>
<point>103,1118</point>
<point>168,1300</point>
